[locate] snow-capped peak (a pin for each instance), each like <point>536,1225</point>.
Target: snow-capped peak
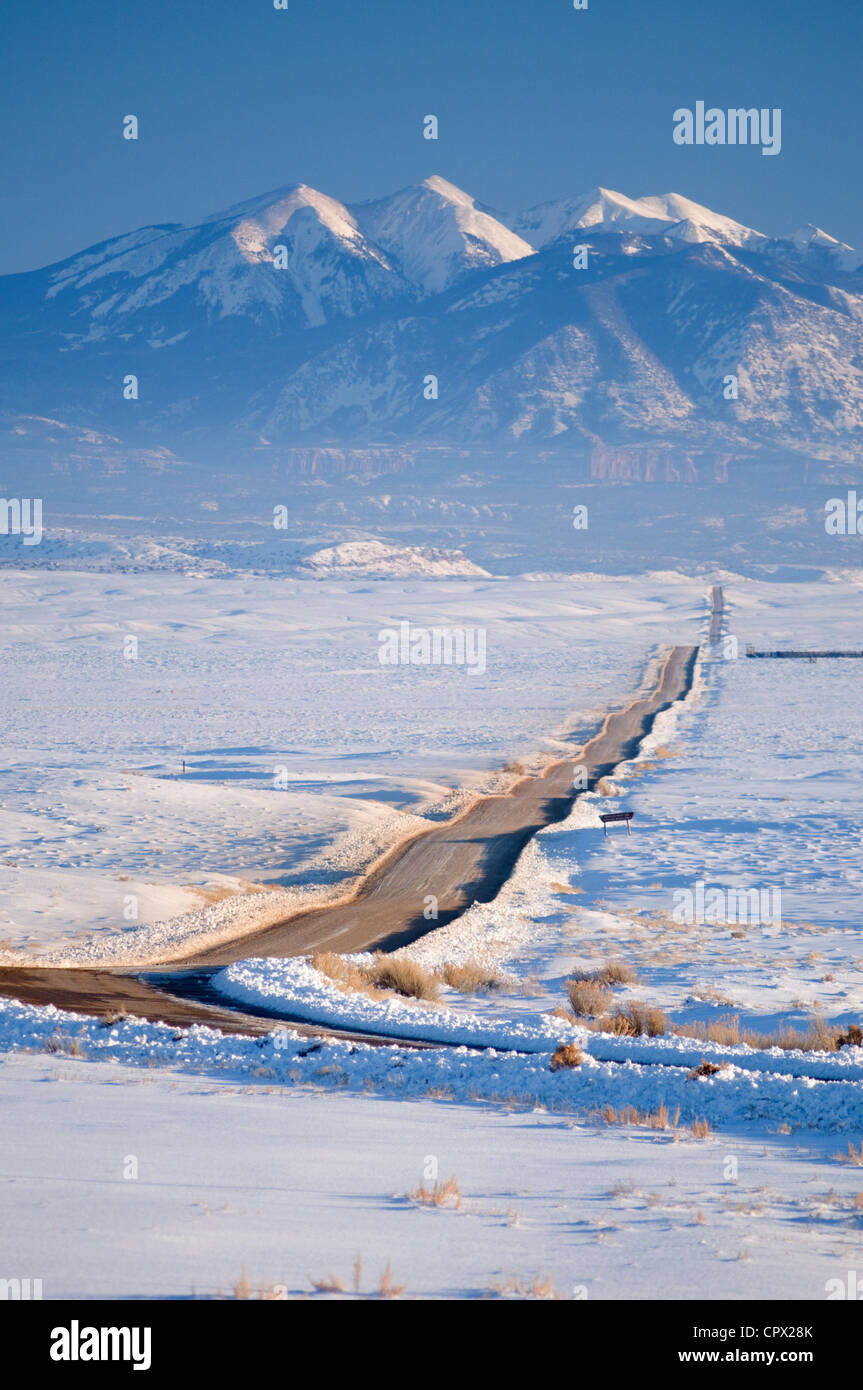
<point>436,233</point>
<point>330,270</point>
<point>601,206</point>
<point>604,209</point>
<point>254,233</point>
<point>811,237</point>
<point>449,191</point>
<point>708,225</point>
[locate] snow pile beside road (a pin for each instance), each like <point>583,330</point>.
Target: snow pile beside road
<point>300,993</point>
<point>730,1097</point>
<point>500,931</point>
<point>844,1065</point>
<point>296,989</point>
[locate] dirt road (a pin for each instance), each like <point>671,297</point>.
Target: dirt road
<point>466,860</point>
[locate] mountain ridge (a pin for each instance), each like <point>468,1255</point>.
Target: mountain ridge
<point>426,315</point>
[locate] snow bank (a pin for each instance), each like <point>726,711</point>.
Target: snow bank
<point>729,1098</point>
<point>297,989</point>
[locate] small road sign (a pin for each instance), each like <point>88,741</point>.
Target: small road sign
<point>615,816</point>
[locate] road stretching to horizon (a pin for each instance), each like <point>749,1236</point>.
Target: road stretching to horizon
<point>458,863</point>
<point>465,860</point>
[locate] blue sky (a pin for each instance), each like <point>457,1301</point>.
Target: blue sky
<point>535,101</point>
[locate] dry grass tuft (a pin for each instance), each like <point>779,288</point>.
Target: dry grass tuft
<point>631,1115</point>
<point>386,975</point>
<point>387,1288</point>
<point>342,972</point>
<point>587,998</point>
<point>539,1288</point>
<point>818,1037</point>
<point>443,1194</point>
<point>659,1119</point>
<point>113,1016</point>
<point>854,1156</point>
<point>725,1030</point>
<point>207,896</point>
<point>615,972</point>
<point>703,1069</point>
<point>439,1093</point>
<point>567,1055</point>
<point>331,1284</point>
<point>328,1284</point>
<point>471,978</point>
<point>60,1042</point>
<point>404,976</point>
<point>611,973</point>
<point>633,1020</point>
<point>267,1293</point>
<point>273,1293</point>
<point>623,1189</point>
<point>590,993</point>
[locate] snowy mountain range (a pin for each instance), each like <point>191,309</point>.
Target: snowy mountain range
<point>426,316</point>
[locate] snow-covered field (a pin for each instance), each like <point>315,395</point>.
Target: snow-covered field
<point>303,1181</point>
<point>288,1158</point>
